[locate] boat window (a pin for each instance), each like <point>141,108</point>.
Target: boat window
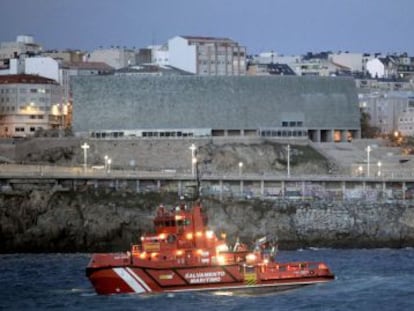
<point>169,223</point>
<point>158,223</point>
<point>183,222</point>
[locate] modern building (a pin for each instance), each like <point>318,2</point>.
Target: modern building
<point>207,56</point>
<point>29,103</point>
<point>320,109</point>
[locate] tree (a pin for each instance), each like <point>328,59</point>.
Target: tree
<point>367,130</point>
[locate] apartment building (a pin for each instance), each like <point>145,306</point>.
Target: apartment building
<point>115,57</point>
<point>29,103</point>
<point>68,56</point>
<point>356,62</point>
<point>24,44</point>
<point>390,111</point>
<point>207,56</point>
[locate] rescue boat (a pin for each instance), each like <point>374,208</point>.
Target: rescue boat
<point>184,255</point>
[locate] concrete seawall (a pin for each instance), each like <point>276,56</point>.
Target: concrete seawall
<point>90,220</point>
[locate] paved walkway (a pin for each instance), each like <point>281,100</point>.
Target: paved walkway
<point>348,157</point>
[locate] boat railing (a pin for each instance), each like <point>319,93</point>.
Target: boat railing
<point>311,267</point>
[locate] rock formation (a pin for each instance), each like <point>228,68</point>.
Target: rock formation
<point>103,220</point>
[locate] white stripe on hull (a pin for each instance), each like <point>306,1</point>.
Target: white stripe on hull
<point>139,280</point>
<point>128,279</point>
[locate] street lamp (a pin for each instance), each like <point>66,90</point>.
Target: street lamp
<point>288,160</point>
<point>193,159</point>
<point>240,168</point>
<point>109,165</point>
<point>379,168</point>
<point>369,149</point>
<point>106,162</point>
<point>360,170</point>
<point>85,148</point>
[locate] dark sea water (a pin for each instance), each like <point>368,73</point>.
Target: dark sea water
<point>379,279</point>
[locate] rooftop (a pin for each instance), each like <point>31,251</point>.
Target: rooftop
<point>25,79</point>
<point>207,39</point>
<point>87,65</point>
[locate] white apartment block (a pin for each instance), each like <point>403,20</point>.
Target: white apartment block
<point>375,68</point>
<point>207,56</point>
<point>160,55</point>
<point>46,67</point>
<point>29,103</point>
<point>114,57</point>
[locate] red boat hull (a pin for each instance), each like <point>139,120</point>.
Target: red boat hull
<point>129,279</point>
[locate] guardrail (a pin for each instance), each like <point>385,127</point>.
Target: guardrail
<point>49,171</point>
<point>265,186</point>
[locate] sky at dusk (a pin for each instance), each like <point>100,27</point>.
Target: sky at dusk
<point>285,26</point>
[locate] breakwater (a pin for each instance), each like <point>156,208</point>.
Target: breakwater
<point>94,219</point>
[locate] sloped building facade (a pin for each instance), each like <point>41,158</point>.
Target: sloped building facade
<point>321,109</point>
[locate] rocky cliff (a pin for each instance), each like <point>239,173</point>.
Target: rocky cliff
<point>98,220</point>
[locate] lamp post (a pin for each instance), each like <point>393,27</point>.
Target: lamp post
<point>288,160</point>
<point>240,168</point>
<point>360,170</point>
<point>106,162</point>
<point>368,151</point>
<point>193,159</point>
<point>109,165</point>
<point>379,168</point>
<point>85,148</point>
